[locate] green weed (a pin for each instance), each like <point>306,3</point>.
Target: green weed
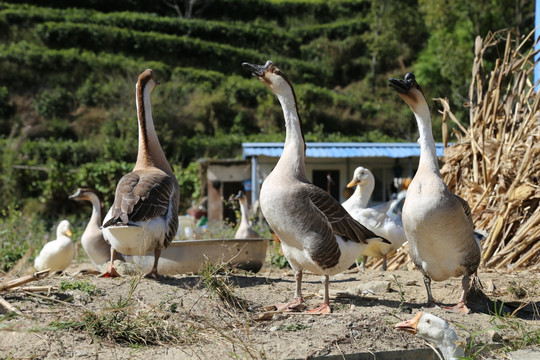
<point>82,285</point>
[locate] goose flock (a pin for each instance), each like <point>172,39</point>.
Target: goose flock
<point>316,232</point>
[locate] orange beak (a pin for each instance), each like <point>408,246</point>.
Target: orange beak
<point>69,233</point>
<point>352,183</point>
<point>409,325</point>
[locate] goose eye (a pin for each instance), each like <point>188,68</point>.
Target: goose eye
<point>428,321</point>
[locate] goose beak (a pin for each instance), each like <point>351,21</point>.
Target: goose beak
<point>352,183</point>
<point>76,195</point>
<point>409,325</point>
<point>238,196</point>
<point>257,70</point>
<point>402,86</point>
<point>69,233</point>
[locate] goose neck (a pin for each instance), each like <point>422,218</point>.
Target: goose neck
<point>95,218</point>
<point>150,152</point>
<point>428,153</point>
<point>244,211</point>
<point>450,349</point>
<point>363,193</point>
<point>294,148</point>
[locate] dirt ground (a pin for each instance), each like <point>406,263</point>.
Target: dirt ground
<point>201,326</point>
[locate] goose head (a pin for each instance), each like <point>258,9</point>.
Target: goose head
<point>270,75</point>
<point>63,229</point>
<point>409,90</point>
<point>241,197</point>
<point>362,176</point>
<point>434,330</point>
<point>146,80</point>
<point>84,194</point>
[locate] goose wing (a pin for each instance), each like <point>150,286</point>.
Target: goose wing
<point>141,196</point>
<point>341,222</point>
<point>466,208</point>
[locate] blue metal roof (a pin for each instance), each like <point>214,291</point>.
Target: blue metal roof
<point>341,150</point>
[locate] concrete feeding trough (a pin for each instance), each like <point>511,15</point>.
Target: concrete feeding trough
<point>188,256</point>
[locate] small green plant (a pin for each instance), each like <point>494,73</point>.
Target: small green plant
<point>82,285</point>
<point>277,258</point>
<point>400,291</point>
<point>517,290</point>
<point>295,327</point>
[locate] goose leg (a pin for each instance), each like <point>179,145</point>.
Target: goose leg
<point>298,299</point>
<point>111,272</point>
<point>325,307</point>
<point>384,266</point>
<point>461,306</point>
<point>362,266</point>
<point>154,273</point>
<point>430,301</point>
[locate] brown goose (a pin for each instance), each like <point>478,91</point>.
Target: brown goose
<point>144,216</point>
<point>437,223</point>
<point>316,232</point>
<point>245,231</point>
<point>93,243</point>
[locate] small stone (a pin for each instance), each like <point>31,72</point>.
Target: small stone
<point>275,328</point>
<point>376,287</point>
<point>494,336</point>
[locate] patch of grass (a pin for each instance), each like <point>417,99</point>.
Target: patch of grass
<point>122,322</point>
<point>215,279</point>
<point>295,327</point>
<point>521,335</point>
<point>82,285</point>
<point>517,290</point>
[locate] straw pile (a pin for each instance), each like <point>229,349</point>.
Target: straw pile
<point>495,164</point>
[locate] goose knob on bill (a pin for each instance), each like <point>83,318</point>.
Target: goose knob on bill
<point>436,331</point>
<point>93,243</point>
<point>316,232</point>
<point>58,254</point>
<point>375,219</point>
<point>437,223</point>
<point>144,216</point>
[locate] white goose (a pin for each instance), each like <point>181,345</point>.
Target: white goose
<point>93,243</point>
<point>316,232</point>
<point>436,331</point>
<point>58,254</point>
<point>144,216</point>
<point>437,223</point>
<point>244,231</point>
<point>374,219</point>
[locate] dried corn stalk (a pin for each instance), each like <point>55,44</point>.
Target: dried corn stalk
<point>495,164</point>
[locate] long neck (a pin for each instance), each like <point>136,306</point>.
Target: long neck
<point>95,218</point>
<point>363,193</point>
<point>428,154</point>
<point>244,211</point>
<point>150,152</point>
<point>293,157</point>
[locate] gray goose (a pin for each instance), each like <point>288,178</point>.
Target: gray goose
<point>437,223</point>
<point>244,231</point>
<point>93,243</point>
<point>144,216</point>
<point>316,232</point>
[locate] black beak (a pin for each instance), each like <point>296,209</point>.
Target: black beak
<point>257,70</point>
<point>402,86</point>
<point>239,195</point>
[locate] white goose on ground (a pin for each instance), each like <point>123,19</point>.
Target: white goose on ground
<point>93,243</point>
<point>144,216</point>
<point>436,331</point>
<point>58,254</point>
<point>316,232</point>
<point>374,219</point>
<point>244,231</point>
<point>437,223</point>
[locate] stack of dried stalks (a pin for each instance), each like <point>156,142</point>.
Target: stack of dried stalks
<point>495,164</point>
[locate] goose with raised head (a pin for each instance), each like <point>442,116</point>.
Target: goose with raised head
<point>93,243</point>
<point>437,223</point>
<point>144,216</point>
<point>374,219</point>
<point>436,331</point>
<point>58,254</point>
<point>316,232</point>
<point>244,231</point>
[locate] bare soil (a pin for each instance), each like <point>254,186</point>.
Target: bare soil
<point>201,326</point>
